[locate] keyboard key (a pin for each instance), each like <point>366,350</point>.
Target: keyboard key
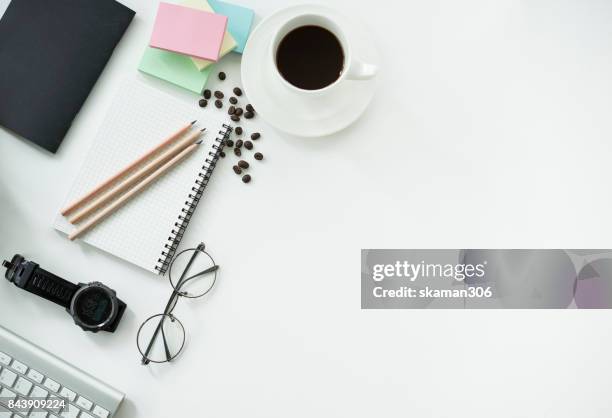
<point>23,386</point>
<point>38,414</point>
<point>54,398</point>
<point>52,385</point>
<point>5,359</point>
<point>85,415</point>
<point>86,404</point>
<point>6,395</point>
<point>35,376</point>
<point>100,412</point>
<point>67,393</point>
<point>26,410</point>
<point>39,393</point>
<point>7,377</point>
<point>5,413</point>
<point>19,367</point>
<point>71,411</point>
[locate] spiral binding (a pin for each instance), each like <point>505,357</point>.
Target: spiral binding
<point>177,232</point>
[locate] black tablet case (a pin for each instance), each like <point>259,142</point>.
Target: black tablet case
<point>51,54</point>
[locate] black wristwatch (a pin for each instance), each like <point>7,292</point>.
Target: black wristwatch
<point>93,306</point>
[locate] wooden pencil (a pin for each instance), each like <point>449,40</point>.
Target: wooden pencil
<point>105,197</point>
<point>114,178</point>
<point>107,211</point>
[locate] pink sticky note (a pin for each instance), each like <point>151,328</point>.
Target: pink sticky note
<point>188,31</point>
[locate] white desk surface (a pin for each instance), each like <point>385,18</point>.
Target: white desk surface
<point>491,128</point>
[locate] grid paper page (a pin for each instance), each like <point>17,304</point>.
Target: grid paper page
<point>140,118</point>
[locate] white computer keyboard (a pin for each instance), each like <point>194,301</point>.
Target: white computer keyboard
<point>28,373</point>
<point>19,382</point>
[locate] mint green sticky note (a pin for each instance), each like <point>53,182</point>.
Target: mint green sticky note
<point>174,68</point>
<point>239,21</point>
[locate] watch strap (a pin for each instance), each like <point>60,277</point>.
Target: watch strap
<point>51,287</point>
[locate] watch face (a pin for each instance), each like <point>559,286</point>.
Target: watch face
<point>93,306</point>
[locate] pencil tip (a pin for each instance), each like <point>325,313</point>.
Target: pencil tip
<point>202,130</point>
<point>194,122</point>
<point>198,142</point>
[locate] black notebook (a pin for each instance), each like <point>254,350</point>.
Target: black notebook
<point>51,54</point>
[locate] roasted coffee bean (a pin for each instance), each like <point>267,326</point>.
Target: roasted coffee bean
<point>235,118</point>
<point>207,94</point>
<point>250,108</point>
<point>249,115</point>
<point>255,136</point>
<point>246,178</point>
<point>233,100</point>
<point>231,110</point>
<point>237,169</point>
<point>239,111</point>
<point>218,104</point>
<point>229,143</point>
<point>237,91</point>
<point>239,143</point>
<point>258,156</point>
<point>222,154</point>
<point>243,164</point>
<point>238,130</point>
<point>237,152</point>
<point>222,76</point>
<point>219,95</point>
<point>248,144</point>
<point>203,102</point>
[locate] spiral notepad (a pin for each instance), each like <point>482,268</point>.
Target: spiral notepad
<point>148,229</point>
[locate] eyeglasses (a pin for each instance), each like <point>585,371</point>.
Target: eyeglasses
<point>192,274</point>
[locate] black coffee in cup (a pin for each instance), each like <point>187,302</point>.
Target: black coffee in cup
<point>310,57</point>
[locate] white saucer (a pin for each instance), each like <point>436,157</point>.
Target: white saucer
<point>291,113</point>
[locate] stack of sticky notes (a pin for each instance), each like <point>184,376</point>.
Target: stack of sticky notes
<point>188,38</point>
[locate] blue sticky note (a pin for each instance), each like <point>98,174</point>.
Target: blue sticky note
<point>239,21</point>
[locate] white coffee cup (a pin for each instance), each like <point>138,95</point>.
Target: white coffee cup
<point>353,69</point>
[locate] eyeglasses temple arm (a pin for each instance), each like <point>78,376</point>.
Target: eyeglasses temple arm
<point>168,355</point>
<point>208,270</point>
<point>167,311</point>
